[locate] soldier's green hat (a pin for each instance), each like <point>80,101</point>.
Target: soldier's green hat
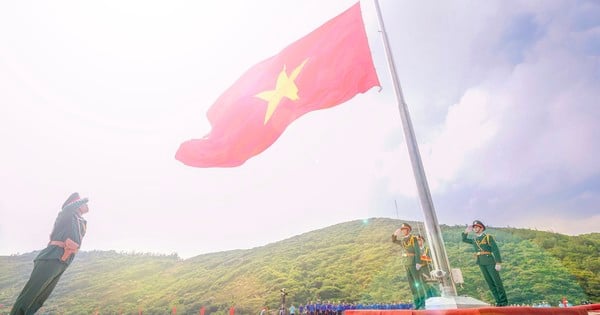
<point>479,223</point>
<point>74,202</point>
<point>406,226</point>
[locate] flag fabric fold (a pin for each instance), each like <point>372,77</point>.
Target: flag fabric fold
<point>323,69</point>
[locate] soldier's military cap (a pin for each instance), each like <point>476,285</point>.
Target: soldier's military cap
<point>406,226</point>
<point>479,223</point>
<point>74,202</point>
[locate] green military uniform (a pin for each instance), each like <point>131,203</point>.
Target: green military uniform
<point>425,271</point>
<point>413,254</point>
<point>51,262</point>
<point>488,255</point>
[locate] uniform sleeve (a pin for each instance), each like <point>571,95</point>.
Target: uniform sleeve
<point>61,230</point>
<point>74,232</point>
<point>395,239</point>
<point>495,249</point>
<point>466,239</point>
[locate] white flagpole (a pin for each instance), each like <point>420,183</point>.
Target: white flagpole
<point>438,251</point>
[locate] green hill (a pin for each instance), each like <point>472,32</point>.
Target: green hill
<point>352,261</point>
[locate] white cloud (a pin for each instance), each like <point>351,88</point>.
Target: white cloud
<point>468,127</point>
<point>518,135</point>
<point>100,108</point>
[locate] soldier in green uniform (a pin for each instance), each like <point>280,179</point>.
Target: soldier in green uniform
<point>412,252</point>
<point>488,259</point>
<point>51,262</point>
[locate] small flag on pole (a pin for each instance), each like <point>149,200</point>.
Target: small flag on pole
<point>325,68</point>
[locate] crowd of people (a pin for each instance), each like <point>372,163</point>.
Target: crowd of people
<point>336,308</point>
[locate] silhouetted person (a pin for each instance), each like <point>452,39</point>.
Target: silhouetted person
<point>51,262</point>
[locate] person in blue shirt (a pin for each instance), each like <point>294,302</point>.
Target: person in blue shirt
<point>311,308</point>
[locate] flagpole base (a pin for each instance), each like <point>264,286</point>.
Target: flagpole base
<point>453,302</point>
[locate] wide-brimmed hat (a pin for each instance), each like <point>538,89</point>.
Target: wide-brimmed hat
<point>74,202</point>
<point>479,223</point>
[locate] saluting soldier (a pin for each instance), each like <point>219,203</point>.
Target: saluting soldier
<point>488,259</point>
<point>412,252</point>
<point>51,262</point>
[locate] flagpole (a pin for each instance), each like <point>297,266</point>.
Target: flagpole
<point>438,251</point>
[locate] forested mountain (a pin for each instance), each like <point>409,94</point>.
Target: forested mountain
<point>352,262</point>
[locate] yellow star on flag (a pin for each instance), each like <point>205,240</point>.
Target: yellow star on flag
<point>285,87</point>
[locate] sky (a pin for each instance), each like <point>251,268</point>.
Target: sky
<point>96,97</point>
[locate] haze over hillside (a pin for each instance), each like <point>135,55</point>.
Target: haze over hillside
<point>352,262</point>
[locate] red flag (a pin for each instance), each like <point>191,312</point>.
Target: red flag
<point>323,69</point>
